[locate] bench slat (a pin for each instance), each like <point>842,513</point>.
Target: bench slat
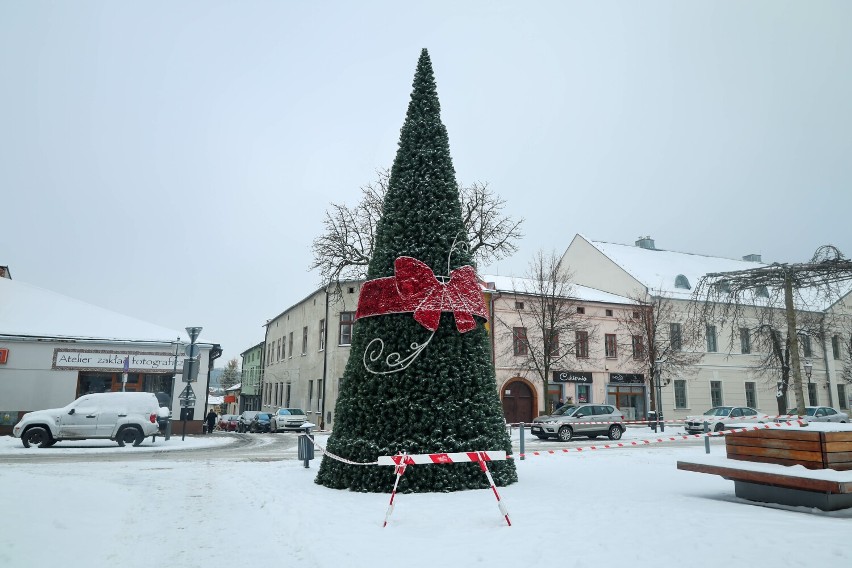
<point>810,446</point>
<point>778,480</point>
<point>743,452</point>
<point>838,436</point>
<point>779,461</point>
<point>781,434</point>
<point>838,446</point>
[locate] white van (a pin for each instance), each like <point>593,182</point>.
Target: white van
<point>125,417</point>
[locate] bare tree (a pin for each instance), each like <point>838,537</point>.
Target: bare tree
<point>543,327</point>
<point>343,250</point>
<point>655,333</point>
<point>776,297</point>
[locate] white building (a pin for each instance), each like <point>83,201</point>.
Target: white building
<point>54,349</point>
<point>722,378</point>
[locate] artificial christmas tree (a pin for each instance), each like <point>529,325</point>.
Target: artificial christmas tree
<point>419,377</point>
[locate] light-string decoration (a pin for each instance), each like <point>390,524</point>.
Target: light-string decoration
<point>415,288</point>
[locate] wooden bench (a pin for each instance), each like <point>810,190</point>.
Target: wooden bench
<point>813,449</point>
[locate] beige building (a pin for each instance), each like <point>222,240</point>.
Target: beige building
<point>722,377</point>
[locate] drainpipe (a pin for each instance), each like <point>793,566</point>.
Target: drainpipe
<point>263,363</point>
<point>324,363</point>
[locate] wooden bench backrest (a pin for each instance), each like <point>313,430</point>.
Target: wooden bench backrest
<point>812,449</point>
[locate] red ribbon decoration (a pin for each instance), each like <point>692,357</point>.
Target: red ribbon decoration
<point>414,288</point>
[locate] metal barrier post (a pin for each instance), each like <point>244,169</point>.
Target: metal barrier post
<point>706,438</point>
<point>521,426</point>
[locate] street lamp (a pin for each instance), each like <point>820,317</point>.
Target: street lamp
<point>658,369</point>
<point>809,368</point>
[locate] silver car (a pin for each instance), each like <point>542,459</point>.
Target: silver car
<point>571,420</point>
<point>816,414</point>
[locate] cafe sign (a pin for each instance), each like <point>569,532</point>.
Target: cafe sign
<point>105,360</point>
<point>571,377</point>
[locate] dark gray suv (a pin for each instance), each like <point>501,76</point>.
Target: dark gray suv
<point>571,420</point>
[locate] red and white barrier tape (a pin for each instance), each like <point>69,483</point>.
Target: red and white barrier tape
<point>646,442</point>
<point>403,460</point>
<point>338,458</point>
<point>667,421</point>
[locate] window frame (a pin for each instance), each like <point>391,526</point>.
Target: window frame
<point>610,346</point>
<point>712,344</point>
<point>680,384</point>
<point>675,336</point>
<point>581,344</point>
<point>751,394</point>
<point>520,345</point>
<point>638,342</point>
<point>346,322</point>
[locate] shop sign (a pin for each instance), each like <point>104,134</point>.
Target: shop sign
<point>629,378</point>
<point>105,360</point>
<point>4,356</point>
<point>571,377</point>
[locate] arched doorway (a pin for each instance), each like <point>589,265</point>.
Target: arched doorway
<point>518,401</point>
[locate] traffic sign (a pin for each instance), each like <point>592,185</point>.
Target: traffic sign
<point>192,350</point>
<point>190,370</point>
<point>187,392</point>
<point>187,402</point>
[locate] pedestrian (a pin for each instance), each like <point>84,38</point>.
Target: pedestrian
<point>211,421</point>
<point>559,404</point>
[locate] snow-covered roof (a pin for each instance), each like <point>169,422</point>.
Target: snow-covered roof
<point>659,269</point>
<point>214,400</point>
<point>527,285</point>
<point>29,311</point>
<point>236,387</point>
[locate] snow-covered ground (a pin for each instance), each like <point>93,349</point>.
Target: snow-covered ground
<point>622,507</point>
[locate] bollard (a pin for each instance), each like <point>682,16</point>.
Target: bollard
<point>706,438</point>
<point>168,433</point>
<point>306,447</point>
<point>521,427</point>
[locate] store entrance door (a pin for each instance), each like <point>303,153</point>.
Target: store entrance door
<point>518,402</point>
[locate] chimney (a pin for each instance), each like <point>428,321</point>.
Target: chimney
<point>646,243</point>
<point>752,258</point>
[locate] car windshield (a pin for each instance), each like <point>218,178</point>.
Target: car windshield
<point>290,411</point>
<point>718,411</point>
<point>808,411</point>
<point>263,416</point>
<point>566,410</point>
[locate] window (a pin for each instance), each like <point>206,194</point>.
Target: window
<point>346,321</point>
<point>680,393</point>
<point>608,313</point>
<point>322,335</point>
<point>674,337</point>
<point>813,400</point>
<point>682,282</point>
<point>841,397</point>
<point>582,344</point>
<point>581,310</point>
<point>310,396</point>
<point>553,339</point>
<point>287,392</point>
<point>635,315</point>
<point>519,305</point>
<point>275,400</point>
<point>638,347</point>
<point>835,346</point>
<point>305,340</point>
<point>290,342</point>
<point>279,350</point>
<point>762,292</point>
<point>751,394</point>
<point>715,393</point>
<point>805,340</point>
<point>711,338</point>
<point>610,346</point>
<point>745,340</point>
<point>519,340</point>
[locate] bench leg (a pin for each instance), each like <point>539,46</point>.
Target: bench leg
<point>792,497</point>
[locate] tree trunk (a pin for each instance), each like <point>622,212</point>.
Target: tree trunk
<point>793,338</point>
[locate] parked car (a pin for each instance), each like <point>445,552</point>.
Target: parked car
<point>571,420</point>
<point>816,414</point>
<point>244,421</point>
<point>288,419</point>
<point>228,422</point>
<point>719,418</point>
<point>260,422</point>
<point>125,417</point>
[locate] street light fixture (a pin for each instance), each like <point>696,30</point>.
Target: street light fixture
<point>809,368</point>
<point>658,406</point>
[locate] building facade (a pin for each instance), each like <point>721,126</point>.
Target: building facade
<point>724,375</point>
<point>251,378</point>
<point>54,349</point>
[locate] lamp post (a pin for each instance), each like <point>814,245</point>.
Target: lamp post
<point>809,368</point>
<point>658,368</point>
<point>189,400</point>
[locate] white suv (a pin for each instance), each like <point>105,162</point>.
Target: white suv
<point>125,417</point>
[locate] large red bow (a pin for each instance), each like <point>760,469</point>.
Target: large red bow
<point>414,288</point>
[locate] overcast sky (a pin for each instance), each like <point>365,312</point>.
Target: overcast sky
<point>172,160</point>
